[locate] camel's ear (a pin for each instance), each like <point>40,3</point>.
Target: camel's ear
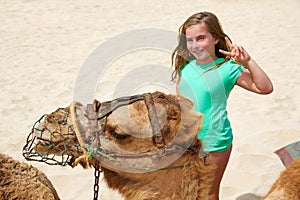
<point>186,104</point>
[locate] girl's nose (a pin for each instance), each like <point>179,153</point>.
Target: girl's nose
<point>195,44</point>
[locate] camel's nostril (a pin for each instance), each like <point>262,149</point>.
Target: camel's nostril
<point>43,142</point>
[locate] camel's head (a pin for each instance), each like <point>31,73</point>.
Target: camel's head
<point>119,129</point>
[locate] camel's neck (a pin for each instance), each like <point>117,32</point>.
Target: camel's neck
<point>164,184</point>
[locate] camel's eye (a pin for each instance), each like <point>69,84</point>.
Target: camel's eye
<point>118,136</point>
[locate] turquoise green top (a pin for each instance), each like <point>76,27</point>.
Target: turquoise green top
<point>210,89</point>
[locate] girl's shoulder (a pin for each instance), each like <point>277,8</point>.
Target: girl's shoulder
<point>231,69</point>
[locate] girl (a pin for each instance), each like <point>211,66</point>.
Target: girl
<point>207,66</point>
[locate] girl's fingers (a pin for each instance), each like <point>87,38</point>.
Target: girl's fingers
<point>237,51</point>
<point>241,49</point>
<point>228,42</point>
<point>232,53</point>
<point>226,53</point>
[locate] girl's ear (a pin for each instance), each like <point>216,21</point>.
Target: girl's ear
<point>216,41</point>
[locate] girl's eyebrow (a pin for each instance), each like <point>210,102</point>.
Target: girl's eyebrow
<point>198,36</point>
<point>201,35</point>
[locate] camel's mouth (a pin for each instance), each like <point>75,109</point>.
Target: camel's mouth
<point>50,136</point>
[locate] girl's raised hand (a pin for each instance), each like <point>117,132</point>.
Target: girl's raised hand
<point>238,53</point>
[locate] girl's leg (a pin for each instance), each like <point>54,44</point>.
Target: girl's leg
<point>221,159</point>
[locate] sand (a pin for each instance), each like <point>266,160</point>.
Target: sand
<point>45,44</point>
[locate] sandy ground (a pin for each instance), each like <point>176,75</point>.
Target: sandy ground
<point>44,45</point>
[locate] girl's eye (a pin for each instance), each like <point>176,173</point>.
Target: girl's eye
<point>201,38</point>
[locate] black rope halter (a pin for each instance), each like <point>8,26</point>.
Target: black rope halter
<point>106,108</point>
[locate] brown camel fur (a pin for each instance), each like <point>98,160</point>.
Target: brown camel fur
<point>22,181</point>
<point>287,186</point>
<point>128,129</point>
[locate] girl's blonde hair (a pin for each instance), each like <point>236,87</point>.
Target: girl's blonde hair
<point>181,54</point>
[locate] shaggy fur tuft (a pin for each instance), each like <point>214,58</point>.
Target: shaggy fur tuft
<point>22,181</point>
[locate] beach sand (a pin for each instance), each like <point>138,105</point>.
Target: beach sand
<point>44,45</point>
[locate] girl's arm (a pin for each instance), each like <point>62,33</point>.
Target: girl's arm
<point>253,78</point>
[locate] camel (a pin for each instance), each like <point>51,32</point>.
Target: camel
<point>287,186</point>
<point>23,181</point>
<point>146,145</point>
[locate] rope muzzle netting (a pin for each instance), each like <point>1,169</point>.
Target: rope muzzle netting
<point>40,144</point>
<point>52,140</point>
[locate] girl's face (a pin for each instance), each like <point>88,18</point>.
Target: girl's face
<point>201,43</point>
